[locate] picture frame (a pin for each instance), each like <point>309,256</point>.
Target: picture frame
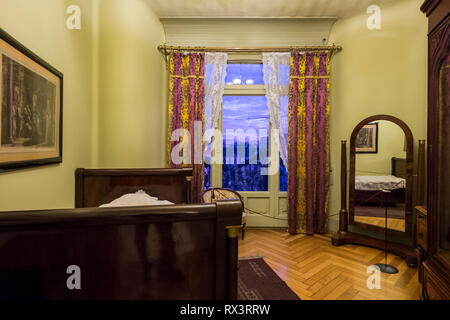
<point>31,108</point>
<point>367,139</point>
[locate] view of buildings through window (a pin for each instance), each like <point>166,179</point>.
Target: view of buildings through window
<point>246,116</point>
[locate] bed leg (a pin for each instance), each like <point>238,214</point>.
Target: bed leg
<point>232,261</point>
<point>188,189</point>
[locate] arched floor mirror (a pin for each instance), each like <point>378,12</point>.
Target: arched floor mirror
<point>380,185</point>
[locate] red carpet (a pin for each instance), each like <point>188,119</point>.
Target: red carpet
<point>257,281</point>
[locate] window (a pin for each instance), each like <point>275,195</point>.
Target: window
<point>245,113</point>
<point>244,74</point>
<point>245,127</point>
<point>247,119</point>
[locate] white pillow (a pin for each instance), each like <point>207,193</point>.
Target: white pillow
<point>140,198</point>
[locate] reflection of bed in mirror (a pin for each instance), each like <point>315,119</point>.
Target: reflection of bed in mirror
<point>374,193</point>
<point>394,158</point>
<point>382,189</point>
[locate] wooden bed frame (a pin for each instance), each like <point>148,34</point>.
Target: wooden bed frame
<point>94,187</point>
<point>398,169</point>
<point>184,251</point>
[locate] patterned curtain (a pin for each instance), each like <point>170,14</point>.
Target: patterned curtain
<point>186,105</point>
<point>308,148</point>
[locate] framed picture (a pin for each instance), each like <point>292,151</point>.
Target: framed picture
<point>367,139</point>
<point>31,108</point>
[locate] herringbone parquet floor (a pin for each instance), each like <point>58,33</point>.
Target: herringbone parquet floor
<point>315,269</point>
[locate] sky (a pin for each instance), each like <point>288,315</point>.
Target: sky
<point>250,112</point>
<point>241,73</point>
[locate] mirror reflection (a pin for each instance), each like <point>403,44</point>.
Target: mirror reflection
<point>380,175</point>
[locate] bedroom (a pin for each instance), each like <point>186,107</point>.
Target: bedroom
<point>116,112</point>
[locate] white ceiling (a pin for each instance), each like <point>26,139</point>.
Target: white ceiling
<point>222,32</point>
<point>261,8</point>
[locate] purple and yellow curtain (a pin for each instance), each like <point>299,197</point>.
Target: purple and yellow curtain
<point>186,105</point>
<point>308,148</point>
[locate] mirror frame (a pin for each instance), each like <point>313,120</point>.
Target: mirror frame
<point>409,174</point>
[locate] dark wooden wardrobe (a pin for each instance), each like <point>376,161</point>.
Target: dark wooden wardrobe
<point>436,268</point>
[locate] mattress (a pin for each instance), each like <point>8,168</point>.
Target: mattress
<point>379,183</point>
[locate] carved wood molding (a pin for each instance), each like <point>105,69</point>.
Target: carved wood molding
<point>436,50</point>
<point>428,6</point>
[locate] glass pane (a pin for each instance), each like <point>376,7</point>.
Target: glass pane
<point>283,176</point>
<point>207,150</point>
<point>444,162</point>
<point>209,74</point>
<point>244,73</point>
<point>283,74</point>
<point>380,175</point>
<point>207,183</point>
<point>284,118</point>
<point>245,124</point>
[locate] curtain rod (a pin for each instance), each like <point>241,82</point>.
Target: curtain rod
<point>165,49</point>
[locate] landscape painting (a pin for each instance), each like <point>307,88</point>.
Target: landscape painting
<point>30,113</point>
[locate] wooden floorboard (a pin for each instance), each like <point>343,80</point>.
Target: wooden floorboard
<point>316,270</point>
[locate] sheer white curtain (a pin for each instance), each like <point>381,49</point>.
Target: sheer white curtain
<point>276,83</point>
<point>215,74</point>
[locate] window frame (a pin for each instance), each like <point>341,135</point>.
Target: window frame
<point>246,90</point>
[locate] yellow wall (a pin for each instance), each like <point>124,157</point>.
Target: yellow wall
<point>132,112</point>
<point>115,86</point>
<point>40,25</point>
<point>391,143</point>
<point>114,91</point>
<point>378,72</point>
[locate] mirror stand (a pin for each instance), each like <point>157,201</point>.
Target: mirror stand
<point>343,236</point>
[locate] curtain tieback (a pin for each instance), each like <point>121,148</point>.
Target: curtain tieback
<point>309,77</point>
<point>186,77</point>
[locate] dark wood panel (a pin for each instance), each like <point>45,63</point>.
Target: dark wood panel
<point>94,187</point>
<point>436,278</point>
<point>166,252</point>
<point>433,286</point>
<point>422,231</point>
<point>380,199</point>
<point>436,11</point>
<point>398,167</point>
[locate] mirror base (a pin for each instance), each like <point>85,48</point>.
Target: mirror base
<point>406,252</point>
<point>386,268</point>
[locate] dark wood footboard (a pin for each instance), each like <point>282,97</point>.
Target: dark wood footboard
<point>380,198</point>
<point>164,252</point>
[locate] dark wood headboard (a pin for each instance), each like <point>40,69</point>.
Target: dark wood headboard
<point>94,187</point>
<point>399,167</point>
